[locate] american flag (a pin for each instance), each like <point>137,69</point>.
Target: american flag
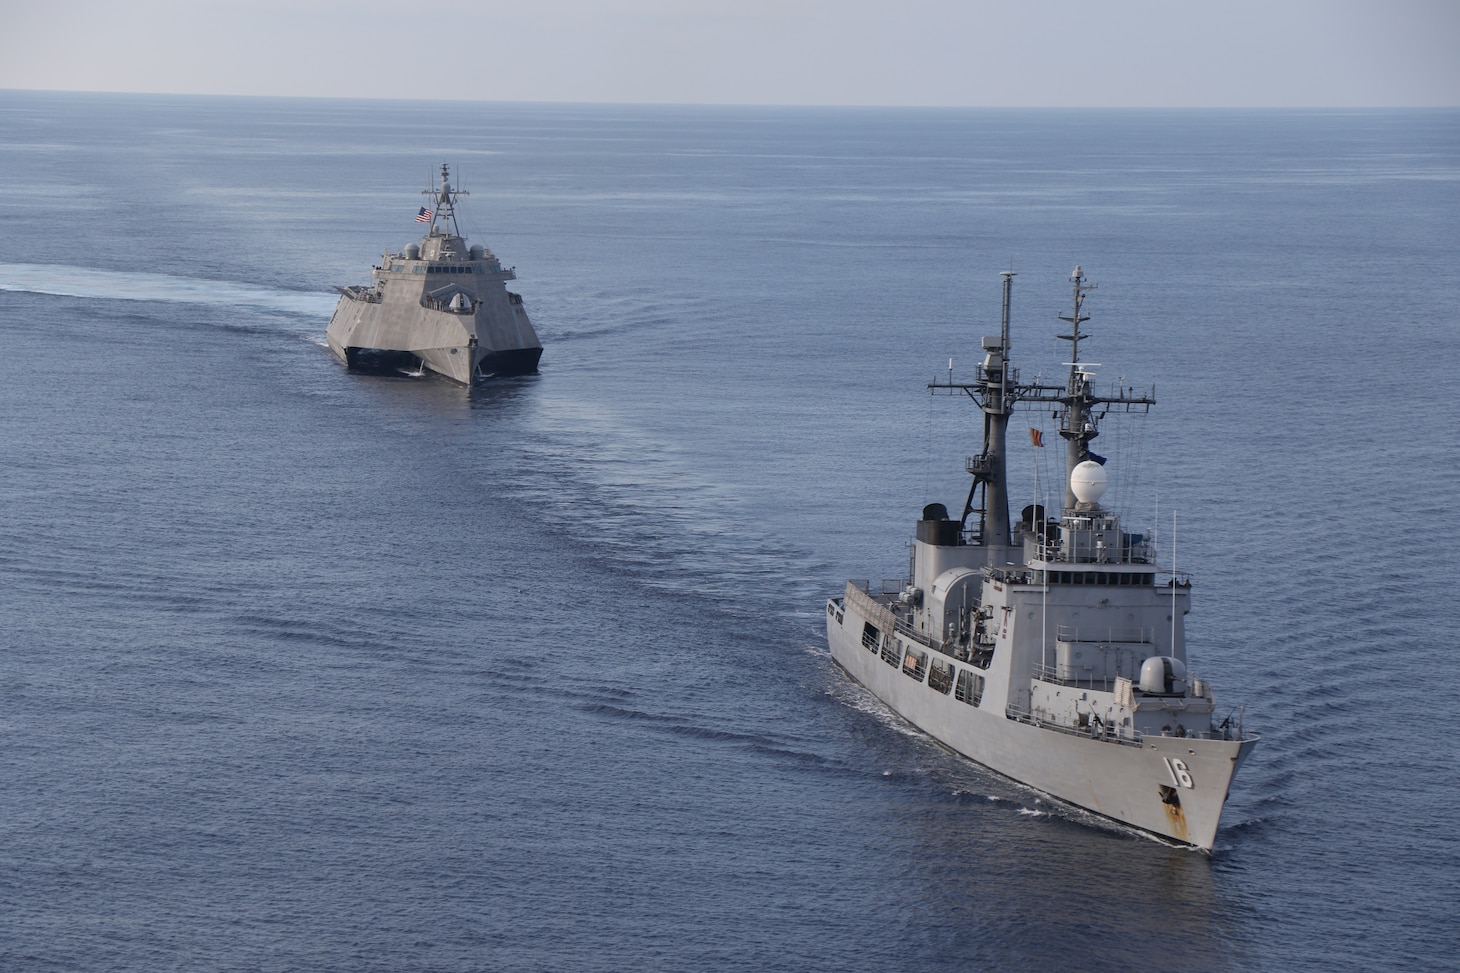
<point>424,216</point>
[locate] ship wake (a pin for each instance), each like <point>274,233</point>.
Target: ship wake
<point>94,283</point>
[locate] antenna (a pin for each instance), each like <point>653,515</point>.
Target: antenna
<point>1173,584</point>
<point>997,390</point>
<point>1008,276</point>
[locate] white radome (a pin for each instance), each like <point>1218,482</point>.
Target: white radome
<point>1088,482</point>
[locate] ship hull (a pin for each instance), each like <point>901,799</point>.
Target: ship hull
<point>1135,783</point>
<point>463,348</point>
<point>440,305</point>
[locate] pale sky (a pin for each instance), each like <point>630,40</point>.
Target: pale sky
<point>1015,53</point>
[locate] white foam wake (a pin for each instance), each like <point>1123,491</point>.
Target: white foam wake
<point>89,282</point>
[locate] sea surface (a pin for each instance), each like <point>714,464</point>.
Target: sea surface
<point>309,670</point>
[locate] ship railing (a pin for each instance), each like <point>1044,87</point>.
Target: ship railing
<point>1141,552</point>
<point>958,649</point>
<point>1095,731</point>
<point>905,627</point>
<point>1050,674</point>
<point>1087,633</point>
<point>1010,577</point>
<point>1087,552</point>
<point>1121,734</point>
<point>890,586</point>
<point>883,611</point>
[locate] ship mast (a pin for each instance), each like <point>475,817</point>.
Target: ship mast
<point>1079,421</point>
<point>444,200</point>
<point>997,389</point>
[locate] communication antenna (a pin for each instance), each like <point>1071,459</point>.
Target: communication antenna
<point>1173,584</point>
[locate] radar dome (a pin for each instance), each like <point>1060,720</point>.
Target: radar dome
<point>478,251</point>
<point>413,252</point>
<point>1088,482</point>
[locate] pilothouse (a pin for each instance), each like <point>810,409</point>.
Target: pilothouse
<point>1051,650</point>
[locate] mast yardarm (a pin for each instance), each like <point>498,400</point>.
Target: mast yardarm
<point>997,390</point>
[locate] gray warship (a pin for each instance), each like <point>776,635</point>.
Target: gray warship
<point>437,306</point>
<point>1051,650</point>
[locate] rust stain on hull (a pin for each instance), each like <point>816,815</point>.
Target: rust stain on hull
<point>1175,817</point>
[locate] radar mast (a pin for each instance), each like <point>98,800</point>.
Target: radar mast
<point>1078,420</point>
<point>997,390</point>
<point>443,199</point>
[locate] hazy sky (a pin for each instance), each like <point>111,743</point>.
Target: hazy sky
<point>839,52</point>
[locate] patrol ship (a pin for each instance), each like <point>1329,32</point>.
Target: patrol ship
<point>437,306</point>
<point>1051,650</point>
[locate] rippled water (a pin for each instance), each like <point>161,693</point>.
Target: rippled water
<point>309,670</point>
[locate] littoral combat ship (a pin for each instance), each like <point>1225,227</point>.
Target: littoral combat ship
<point>1051,650</point>
<point>438,306</point>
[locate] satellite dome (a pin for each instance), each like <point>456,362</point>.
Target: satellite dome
<point>413,252</point>
<point>1088,482</point>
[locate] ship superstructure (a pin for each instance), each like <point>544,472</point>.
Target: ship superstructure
<point>1052,649</point>
<point>439,305</point>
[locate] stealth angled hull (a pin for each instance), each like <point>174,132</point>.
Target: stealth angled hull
<point>438,305</point>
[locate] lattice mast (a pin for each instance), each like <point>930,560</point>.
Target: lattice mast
<point>443,200</point>
<point>1079,422</point>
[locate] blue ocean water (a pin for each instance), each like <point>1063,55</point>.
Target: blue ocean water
<point>311,670</point>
